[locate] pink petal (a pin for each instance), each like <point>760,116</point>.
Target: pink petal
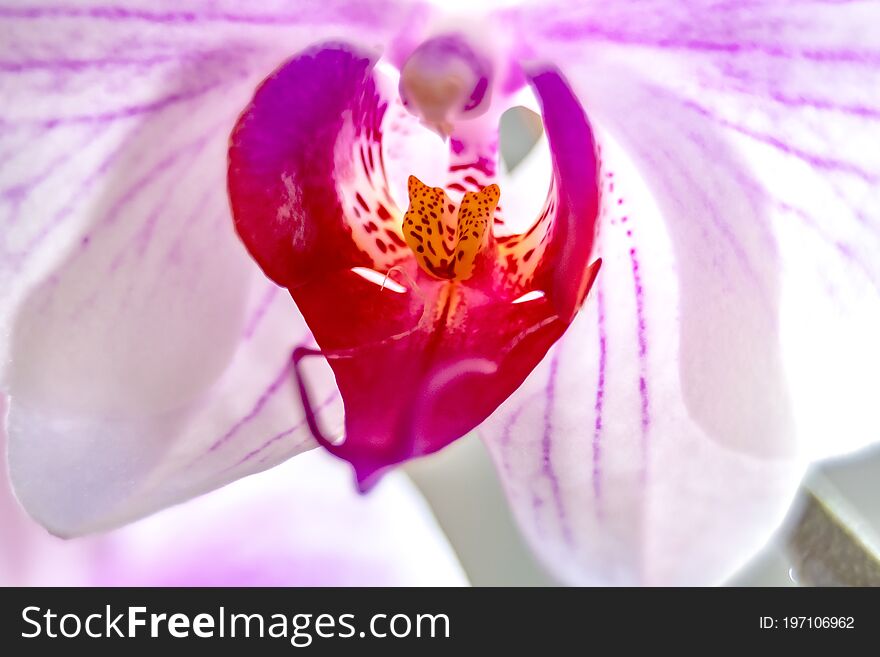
<point>300,524</point>
<point>146,355</point>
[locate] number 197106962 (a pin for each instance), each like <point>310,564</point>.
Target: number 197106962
<point>818,622</point>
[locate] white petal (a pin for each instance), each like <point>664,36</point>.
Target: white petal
<point>300,524</point>
<point>85,469</point>
<point>791,96</point>
<point>29,556</point>
<point>143,351</point>
<point>619,469</point>
<point>739,299</point>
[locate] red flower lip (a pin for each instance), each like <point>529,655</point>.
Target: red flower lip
<point>310,200</point>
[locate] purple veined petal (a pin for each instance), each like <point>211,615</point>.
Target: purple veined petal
<point>302,524</point>
<point>83,469</point>
<point>730,334</point>
<point>145,355</point>
<point>137,73</point>
<point>615,476</point>
<point>794,92</point>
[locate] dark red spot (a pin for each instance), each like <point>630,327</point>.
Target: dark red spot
<point>381,245</point>
<point>383,213</point>
<point>360,199</point>
<point>395,238</point>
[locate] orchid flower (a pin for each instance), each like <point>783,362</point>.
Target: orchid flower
<point>298,525</point>
<point>655,322</point>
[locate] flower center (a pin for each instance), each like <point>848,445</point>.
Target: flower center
<point>446,244</point>
<point>445,80</point>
